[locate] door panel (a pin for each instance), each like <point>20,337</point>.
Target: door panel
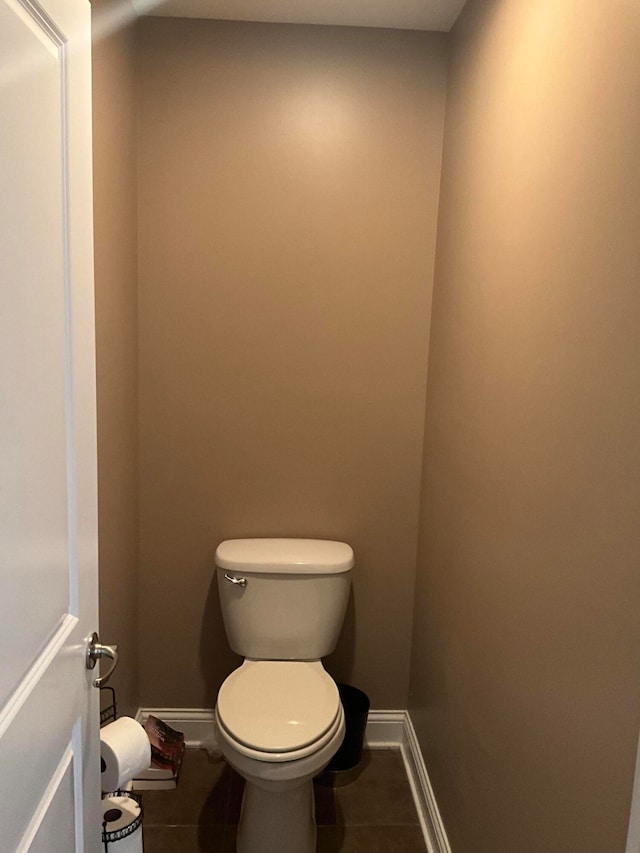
<point>53,824</point>
<point>49,787</point>
<point>34,519</point>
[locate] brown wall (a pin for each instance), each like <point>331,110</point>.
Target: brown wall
<point>288,181</point>
<point>116,334</point>
<point>525,677</point>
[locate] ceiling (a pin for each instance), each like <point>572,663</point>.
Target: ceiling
<point>396,14</point>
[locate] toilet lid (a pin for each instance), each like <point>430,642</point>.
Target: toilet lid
<point>278,706</point>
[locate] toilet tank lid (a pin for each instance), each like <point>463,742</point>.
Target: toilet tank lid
<point>285,556</point>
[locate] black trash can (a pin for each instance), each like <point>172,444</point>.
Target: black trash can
<point>356,710</point>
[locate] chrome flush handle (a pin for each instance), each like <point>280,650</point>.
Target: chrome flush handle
<point>237,581</point>
<point>95,651</point>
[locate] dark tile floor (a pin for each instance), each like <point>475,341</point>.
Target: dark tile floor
<point>374,814</point>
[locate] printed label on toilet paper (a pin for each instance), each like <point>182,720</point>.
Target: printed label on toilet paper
<point>118,814</point>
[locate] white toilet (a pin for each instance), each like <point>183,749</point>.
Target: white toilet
<point>279,716</point>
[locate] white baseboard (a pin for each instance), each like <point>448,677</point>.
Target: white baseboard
<point>385,730</point>
<point>196,723</point>
<point>435,835</point>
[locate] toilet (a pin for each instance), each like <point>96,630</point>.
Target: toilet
<point>279,717</point>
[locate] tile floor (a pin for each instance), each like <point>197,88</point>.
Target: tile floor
<point>375,813</point>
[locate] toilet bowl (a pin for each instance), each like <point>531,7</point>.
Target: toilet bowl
<point>279,724</point>
<point>279,717</point>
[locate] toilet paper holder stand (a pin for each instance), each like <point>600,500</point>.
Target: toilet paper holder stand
<point>108,712</point>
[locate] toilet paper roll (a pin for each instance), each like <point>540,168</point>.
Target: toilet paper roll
<point>119,813</point>
<point>124,751</point>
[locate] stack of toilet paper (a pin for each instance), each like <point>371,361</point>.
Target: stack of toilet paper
<point>124,752</point>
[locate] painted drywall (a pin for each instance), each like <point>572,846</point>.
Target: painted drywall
<point>114,158</point>
<point>525,679</point>
<point>287,195</point>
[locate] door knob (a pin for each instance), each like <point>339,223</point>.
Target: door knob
<point>95,651</point>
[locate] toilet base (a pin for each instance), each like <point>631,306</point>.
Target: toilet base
<point>277,821</point>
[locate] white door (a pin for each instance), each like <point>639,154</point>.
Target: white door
<point>49,759</point>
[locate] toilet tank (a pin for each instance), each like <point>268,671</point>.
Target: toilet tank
<point>283,599</point>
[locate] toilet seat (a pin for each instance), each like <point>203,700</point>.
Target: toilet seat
<point>278,710</point>
<point>272,758</point>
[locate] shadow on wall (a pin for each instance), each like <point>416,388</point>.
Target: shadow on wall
<point>217,660</point>
<point>339,664</point>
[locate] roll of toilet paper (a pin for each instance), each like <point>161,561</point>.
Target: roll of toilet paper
<point>120,814</point>
<point>124,751</point>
